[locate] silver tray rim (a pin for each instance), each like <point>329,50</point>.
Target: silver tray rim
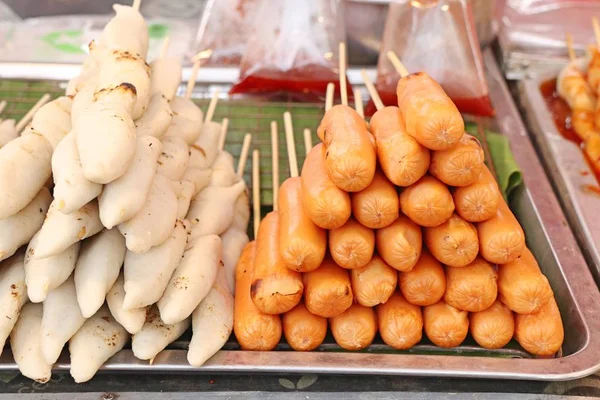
<point>579,282</point>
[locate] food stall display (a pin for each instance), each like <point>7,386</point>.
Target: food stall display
<point>392,235</point>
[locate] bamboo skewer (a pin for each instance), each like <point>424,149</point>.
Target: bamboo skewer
<point>223,137</point>
<point>256,191</point>
<point>307,140</point>
<point>275,163</point>
<point>596,26</point>
<point>29,115</point>
<point>329,96</point>
<point>398,66</point>
<point>244,155</point>
<point>192,81</point>
<point>212,106</point>
<point>372,91</point>
<point>570,49</point>
<point>164,48</point>
<point>2,106</point>
<point>136,4</point>
<point>343,87</point>
<point>291,145</point>
<point>358,103</point>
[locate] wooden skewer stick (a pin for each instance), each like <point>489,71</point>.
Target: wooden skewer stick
<point>570,50</point>
<point>164,48</point>
<point>291,145</point>
<point>307,140</point>
<point>329,96</point>
<point>596,25</point>
<point>358,103</point>
<point>275,163</point>
<point>212,106</point>
<point>25,120</point>
<point>256,190</point>
<point>192,81</point>
<point>372,91</point>
<point>398,66</point>
<point>343,88</point>
<point>2,106</point>
<point>244,155</point>
<point>136,4</point>
<point>223,137</point>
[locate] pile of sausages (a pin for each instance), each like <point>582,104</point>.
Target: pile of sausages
<point>396,227</point>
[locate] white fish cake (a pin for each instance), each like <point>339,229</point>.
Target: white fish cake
<point>187,109</point>
<point>212,322</point>
<point>204,150</point>
<point>100,338</point>
<point>53,120</point>
<point>60,231</point>
<point>173,160</point>
<point>45,274</point>
<point>147,274</point>
<point>155,335</point>
<point>61,319</point>
<point>234,242</point>
<point>211,210</point>
<point>132,319</point>
<point>184,128</point>
<point>26,345</point>
<point>105,135</point>
<point>156,119</point>
<point>241,212</point>
<point>72,190</point>
<point>165,77</point>
<point>192,279</point>
<point>126,31</point>
<point>223,172</point>
<point>84,98</point>
<point>13,294</point>
<point>17,230</point>
<point>25,166</point>
<point>184,190</point>
<point>8,131</point>
<point>200,178</point>
<point>123,198</point>
<point>153,224</point>
<point>97,269</point>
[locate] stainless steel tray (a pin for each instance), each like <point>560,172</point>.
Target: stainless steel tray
<point>568,169</point>
<point>548,234</point>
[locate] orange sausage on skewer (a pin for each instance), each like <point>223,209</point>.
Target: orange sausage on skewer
<point>302,244</point>
<point>374,283</point>
<point>400,323</point>
<point>429,114</point>
<point>541,333</point>
<point>400,243</point>
<point>501,238</point>
<point>403,160</point>
<point>328,291</point>
<point>376,206</point>
<point>445,325</point>
<point>352,245</point>
<point>425,284</point>
<point>522,286</point>
<point>327,205</point>
<point>427,202</point>
<point>350,155</point>
<point>302,330</point>
<point>454,242</point>
<point>253,329</point>
<point>459,165</point>
<point>275,288</point>
<point>478,202</point>
<point>471,288</point>
<point>493,327</point>
<point>355,328</point>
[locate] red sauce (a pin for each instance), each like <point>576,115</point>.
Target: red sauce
<point>561,115</point>
<point>308,83</point>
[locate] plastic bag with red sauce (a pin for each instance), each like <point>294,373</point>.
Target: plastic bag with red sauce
<point>293,49</point>
<point>438,37</point>
<point>224,30</point>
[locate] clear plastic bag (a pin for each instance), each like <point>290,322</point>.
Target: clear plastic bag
<point>224,30</point>
<point>438,37</point>
<point>293,49</point>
